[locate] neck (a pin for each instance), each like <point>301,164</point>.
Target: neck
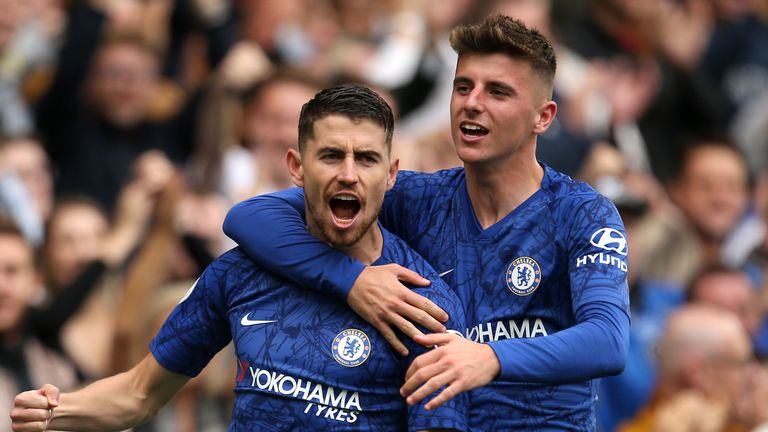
<point>497,189</point>
<point>366,250</point>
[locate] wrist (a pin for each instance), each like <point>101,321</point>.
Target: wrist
<point>355,270</point>
<point>492,360</point>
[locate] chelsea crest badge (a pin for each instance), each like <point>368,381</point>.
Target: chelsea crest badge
<point>523,276</point>
<point>351,348</point>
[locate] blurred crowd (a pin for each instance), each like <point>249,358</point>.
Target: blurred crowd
<point>129,127</point>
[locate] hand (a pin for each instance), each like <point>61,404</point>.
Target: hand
<point>457,362</point>
<point>33,410</point>
<point>244,65</point>
<point>379,298</point>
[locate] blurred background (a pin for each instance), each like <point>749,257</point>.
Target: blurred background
<point>129,127</point>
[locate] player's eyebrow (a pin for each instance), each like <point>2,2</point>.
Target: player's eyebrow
<point>503,86</point>
<point>369,153</point>
<point>461,80</point>
<point>326,149</point>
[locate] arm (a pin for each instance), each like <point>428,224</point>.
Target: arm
<point>111,404</point>
<point>280,242</point>
<point>593,348</point>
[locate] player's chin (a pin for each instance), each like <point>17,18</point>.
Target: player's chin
<point>344,238</point>
<point>470,155</point>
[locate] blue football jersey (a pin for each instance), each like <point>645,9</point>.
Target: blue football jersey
<point>554,261</point>
<point>305,360</point>
<point>545,287</point>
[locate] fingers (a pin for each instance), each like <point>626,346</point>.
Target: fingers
<point>51,392</point>
<point>409,276</point>
<point>414,374</point>
<point>33,409</point>
<point>31,412</point>
<point>435,339</point>
<point>426,312</point>
<point>27,415</point>
<point>433,377</point>
<point>405,316</point>
<point>34,399</point>
<point>390,337</point>
<point>29,427</point>
<point>444,396</point>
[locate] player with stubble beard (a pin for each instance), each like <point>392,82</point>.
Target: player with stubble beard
<point>305,361</point>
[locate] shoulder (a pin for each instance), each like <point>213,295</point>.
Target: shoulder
<point>562,187</point>
<point>398,252</point>
<point>574,200</point>
<point>232,267</point>
<point>443,179</point>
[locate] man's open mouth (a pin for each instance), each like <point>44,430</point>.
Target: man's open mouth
<point>473,130</point>
<point>344,209</point>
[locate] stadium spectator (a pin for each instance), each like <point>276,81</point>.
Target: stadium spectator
<point>29,36</point>
<point>653,103</point>
<point>703,357</point>
<point>26,186</point>
<point>27,157</point>
<point>734,291</point>
<point>114,89</point>
<point>82,260</point>
<point>105,136</point>
<point>24,361</point>
<point>270,114</point>
<point>711,190</point>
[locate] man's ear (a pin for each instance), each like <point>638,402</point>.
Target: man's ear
<point>293,160</point>
<point>394,167</point>
<point>547,112</point>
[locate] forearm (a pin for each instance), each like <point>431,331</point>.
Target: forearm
<point>118,402</point>
<point>593,348</point>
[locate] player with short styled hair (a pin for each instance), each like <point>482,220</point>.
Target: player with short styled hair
<point>538,259</point>
<point>305,360</point>
<point>499,34</point>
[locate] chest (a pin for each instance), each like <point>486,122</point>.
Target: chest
<point>282,335</point>
<point>515,271</point>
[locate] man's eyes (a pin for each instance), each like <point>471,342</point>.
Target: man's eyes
<point>330,156</point>
<point>462,89</point>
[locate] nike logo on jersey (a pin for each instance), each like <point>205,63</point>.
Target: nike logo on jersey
<point>249,322</point>
<point>445,272</point>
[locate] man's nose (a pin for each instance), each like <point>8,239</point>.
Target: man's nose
<point>348,171</point>
<point>474,101</point>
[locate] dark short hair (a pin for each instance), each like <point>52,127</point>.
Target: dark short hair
<point>500,34</point>
<point>355,101</point>
<point>692,145</point>
<point>692,290</point>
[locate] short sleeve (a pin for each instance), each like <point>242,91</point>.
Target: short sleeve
<point>197,328</point>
